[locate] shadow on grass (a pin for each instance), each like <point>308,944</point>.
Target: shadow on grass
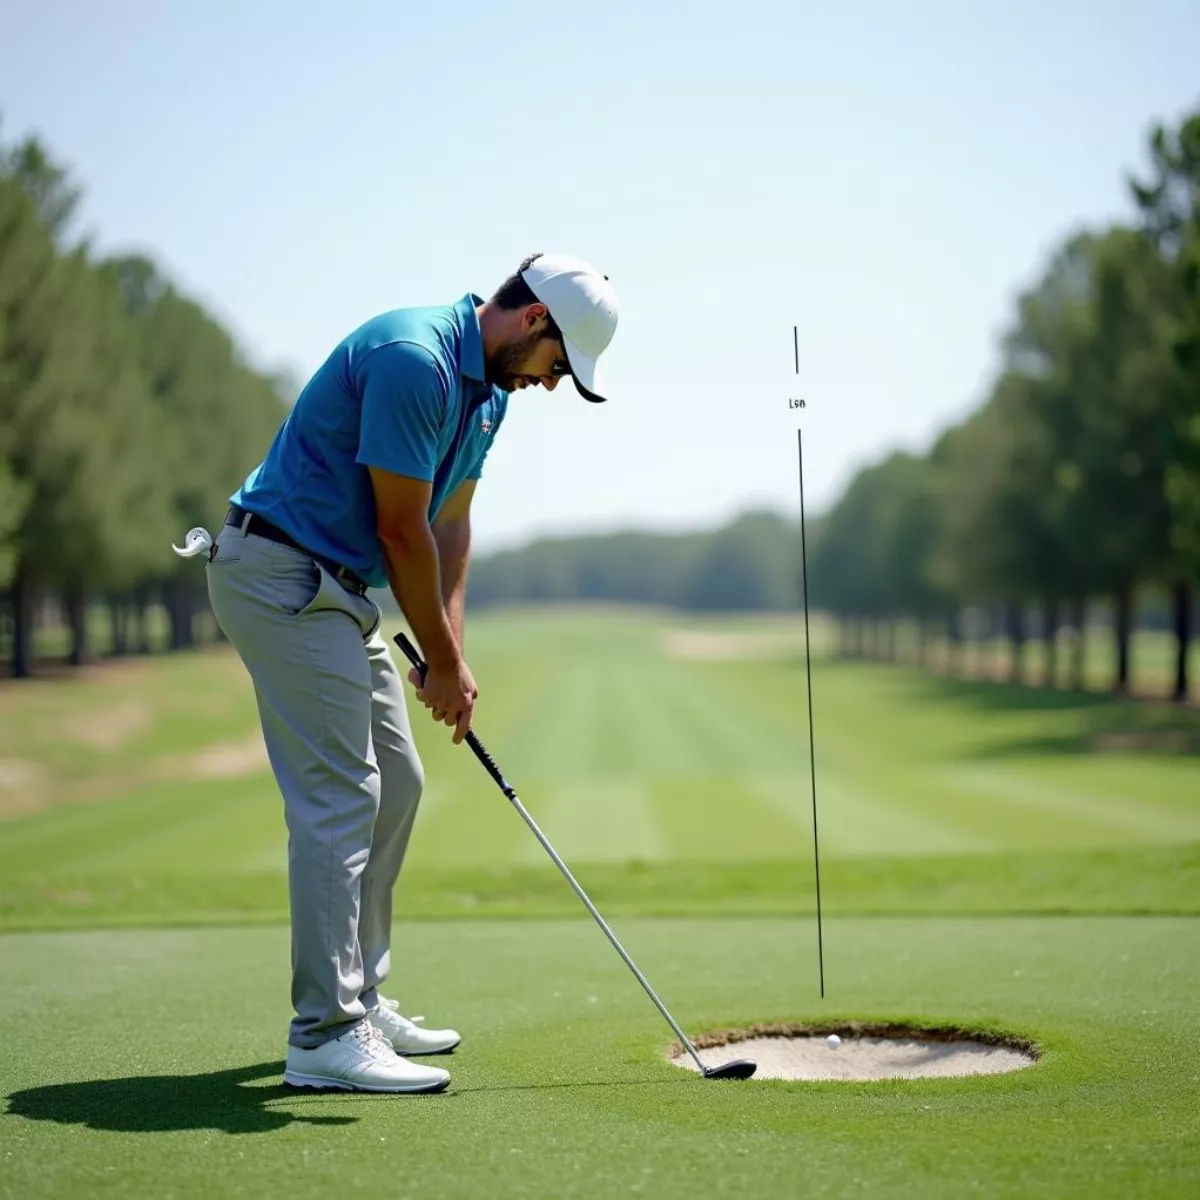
<point>1093,723</point>
<point>983,693</point>
<point>167,1103</point>
<point>1083,722</point>
<point>999,695</point>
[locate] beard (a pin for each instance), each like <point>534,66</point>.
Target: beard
<point>504,366</point>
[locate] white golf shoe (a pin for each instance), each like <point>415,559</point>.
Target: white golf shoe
<point>406,1036</point>
<point>361,1060</point>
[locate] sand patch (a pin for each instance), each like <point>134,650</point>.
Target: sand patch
<point>866,1052</point>
<point>22,788</point>
<point>705,645</point>
<point>105,728</point>
<point>227,760</point>
<point>27,788</point>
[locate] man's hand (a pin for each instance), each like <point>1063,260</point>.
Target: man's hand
<point>450,694</point>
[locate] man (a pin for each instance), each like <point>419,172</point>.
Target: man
<point>369,483</point>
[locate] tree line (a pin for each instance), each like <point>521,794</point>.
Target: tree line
<point>750,564</point>
<point>125,409</point>
<point>126,413</point>
<point>1078,479</point>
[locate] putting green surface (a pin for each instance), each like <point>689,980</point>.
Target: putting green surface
<point>147,1064</point>
<point>993,857</point>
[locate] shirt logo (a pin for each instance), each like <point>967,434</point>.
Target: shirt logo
<point>486,425</point>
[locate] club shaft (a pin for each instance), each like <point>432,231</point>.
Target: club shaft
<point>612,937</point>
<point>489,763</point>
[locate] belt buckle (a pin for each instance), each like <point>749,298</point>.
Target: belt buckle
<point>238,517</point>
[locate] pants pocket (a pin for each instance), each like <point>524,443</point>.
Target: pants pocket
<point>224,553</point>
<point>298,585</point>
<point>248,577</point>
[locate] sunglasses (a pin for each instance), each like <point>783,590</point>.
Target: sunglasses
<point>561,366</point>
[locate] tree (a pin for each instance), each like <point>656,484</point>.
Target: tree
<point>48,185</point>
<point>751,564</point>
<point>1170,209</point>
<point>40,379</point>
<point>1121,373</point>
<point>966,565</point>
<point>1077,479</point>
<point>849,570</point>
<point>25,257</point>
<point>1051,406</point>
<point>215,417</point>
<point>126,416</point>
<point>123,503</point>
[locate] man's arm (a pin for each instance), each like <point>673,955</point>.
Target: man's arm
<point>411,553</point>
<point>452,534</point>
<point>414,572</point>
<point>404,395</point>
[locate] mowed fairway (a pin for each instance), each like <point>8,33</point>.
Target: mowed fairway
<point>996,857</point>
<point>633,740</point>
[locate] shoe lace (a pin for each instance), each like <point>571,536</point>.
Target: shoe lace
<point>393,1006</point>
<point>373,1042</point>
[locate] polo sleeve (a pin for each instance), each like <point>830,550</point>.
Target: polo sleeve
<point>476,472</point>
<point>404,395</point>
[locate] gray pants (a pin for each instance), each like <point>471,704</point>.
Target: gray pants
<point>331,702</point>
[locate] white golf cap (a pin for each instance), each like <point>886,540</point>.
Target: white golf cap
<point>584,306</point>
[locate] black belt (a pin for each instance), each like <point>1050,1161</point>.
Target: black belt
<point>263,528</point>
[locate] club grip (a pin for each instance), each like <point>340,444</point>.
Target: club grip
<point>410,652</point>
<point>489,763</point>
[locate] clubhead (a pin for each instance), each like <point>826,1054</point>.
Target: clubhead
<point>739,1068</point>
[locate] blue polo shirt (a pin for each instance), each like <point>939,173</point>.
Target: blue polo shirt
<point>406,393</point>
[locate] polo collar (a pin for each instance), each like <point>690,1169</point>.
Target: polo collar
<point>470,354</point>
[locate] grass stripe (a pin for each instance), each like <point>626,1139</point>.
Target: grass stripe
<point>718,818</point>
<point>464,824</point>
<point>600,820</point>
<point>855,821</point>
<point>1100,820</point>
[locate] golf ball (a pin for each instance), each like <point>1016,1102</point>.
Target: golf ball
<point>833,1041</point>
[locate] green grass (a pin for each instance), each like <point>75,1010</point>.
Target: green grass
<point>673,784</point>
<point>1162,880</point>
<point>150,1060</point>
<point>994,857</point>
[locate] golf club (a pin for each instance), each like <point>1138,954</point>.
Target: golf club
<point>741,1068</point>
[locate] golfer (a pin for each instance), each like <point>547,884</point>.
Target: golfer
<point>369,483</point>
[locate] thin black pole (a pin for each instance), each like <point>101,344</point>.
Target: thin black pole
<point>811,744</point>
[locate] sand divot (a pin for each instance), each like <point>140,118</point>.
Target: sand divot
<point>866,1052</point>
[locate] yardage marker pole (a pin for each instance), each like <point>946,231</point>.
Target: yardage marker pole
<point>812,757</point>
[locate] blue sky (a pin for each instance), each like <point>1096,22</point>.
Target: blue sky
<point>884,176</point>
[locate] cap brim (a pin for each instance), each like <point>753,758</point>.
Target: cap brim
<point>589,383</point>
